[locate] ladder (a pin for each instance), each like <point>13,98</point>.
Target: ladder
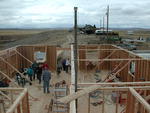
<point>60,91</point>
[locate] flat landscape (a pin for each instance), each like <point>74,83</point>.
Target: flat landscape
<point>10,38</point>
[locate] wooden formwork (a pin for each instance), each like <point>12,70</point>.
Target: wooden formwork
<point>135,102</point>
<point>10,56</point>
<point>20,104</point>
<point>111,56</point>
<point>28,52</point>
<point>18,57</point>
<point>108,57</point>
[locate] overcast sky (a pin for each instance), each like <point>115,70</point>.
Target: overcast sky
<point>59,13</point>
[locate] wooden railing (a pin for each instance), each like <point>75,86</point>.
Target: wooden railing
<point>132,101</point>
<point>18,98</point>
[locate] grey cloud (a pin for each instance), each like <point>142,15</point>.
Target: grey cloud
<point>23,13</point>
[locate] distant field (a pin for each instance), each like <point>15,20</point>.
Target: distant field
<point>20,32</point>
<point>137,34</point>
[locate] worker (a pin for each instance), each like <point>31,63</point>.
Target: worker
<point>67,65</point>
<point>64,64</point>
<point>30,73</point>
<point>59,67</point>
<point>45,65</point>
<point>46,75</point>
<point>34,67</point>
<point>39,73</point>
<point>4,83</point>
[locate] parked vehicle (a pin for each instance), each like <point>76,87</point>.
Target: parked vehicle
<point>127,46</point>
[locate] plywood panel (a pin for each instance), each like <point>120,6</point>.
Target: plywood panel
<point>82,55</point>
<point>51,57</point>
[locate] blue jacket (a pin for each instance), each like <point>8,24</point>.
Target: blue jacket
<point>46,75</point>
<point>30,71</point>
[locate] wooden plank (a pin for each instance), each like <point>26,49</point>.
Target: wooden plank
<point>58,48</point>
<point>140,99</point>
<point>117,102</point>
<point>11,89</point>
<point>147,83</point>
<point>84,91</point>
<point>23,57</point>
<point>103,104</point>
<point>5,95</point>
<point>117,71</point>
<point>89,103</point>
<point>121,59</point>
<point>72,87</point>
<point>99,49</point>
<point>17,102</point>
<point>99,63</point>
<point>9,78</point>
<point>51,57</point>
<point>128,106</point>
<point>18,109</point>
<point>15,69</point>
<point>82,55</point>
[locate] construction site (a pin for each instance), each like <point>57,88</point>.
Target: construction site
<point>102,78</point>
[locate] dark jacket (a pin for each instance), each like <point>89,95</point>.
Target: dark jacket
<point>34,66</point>
<point>46,75</point>
<point>30,71</point>
<point>39,70</point>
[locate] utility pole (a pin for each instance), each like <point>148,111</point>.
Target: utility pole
<point>107,20</point>
<point>103,23</point>
<point>75,53</point>
<point>100,23</point>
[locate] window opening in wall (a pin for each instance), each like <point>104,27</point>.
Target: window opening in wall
<point>132,68</point>
<point>40,56</point>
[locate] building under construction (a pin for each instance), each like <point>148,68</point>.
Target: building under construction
<point>103,78</point>
<point>110,80</point>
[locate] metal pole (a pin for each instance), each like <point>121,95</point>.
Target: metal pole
<point>100,24</point>
<point>107,20</point>
<point>103,23</point>
<point>75,52</point>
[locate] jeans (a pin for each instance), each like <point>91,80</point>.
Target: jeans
<point>67,69</point>
<point>46,86</point>
<point>30,79</point>
<point>34,72</point>
<point>39,77</point>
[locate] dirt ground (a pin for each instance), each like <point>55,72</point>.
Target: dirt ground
<point>10,38</point>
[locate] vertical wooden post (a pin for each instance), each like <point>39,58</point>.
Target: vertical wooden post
<point>86,62</point>
<point>103,105</point>
<point>128,104</point>
<point>89,103</point>
<point>28,106</point>
<point>143,107</point>
<point>18,109</point>
<point>25,107</point>
<point>132,106</point>
<point>117,101</point>
<point>11,93</point>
